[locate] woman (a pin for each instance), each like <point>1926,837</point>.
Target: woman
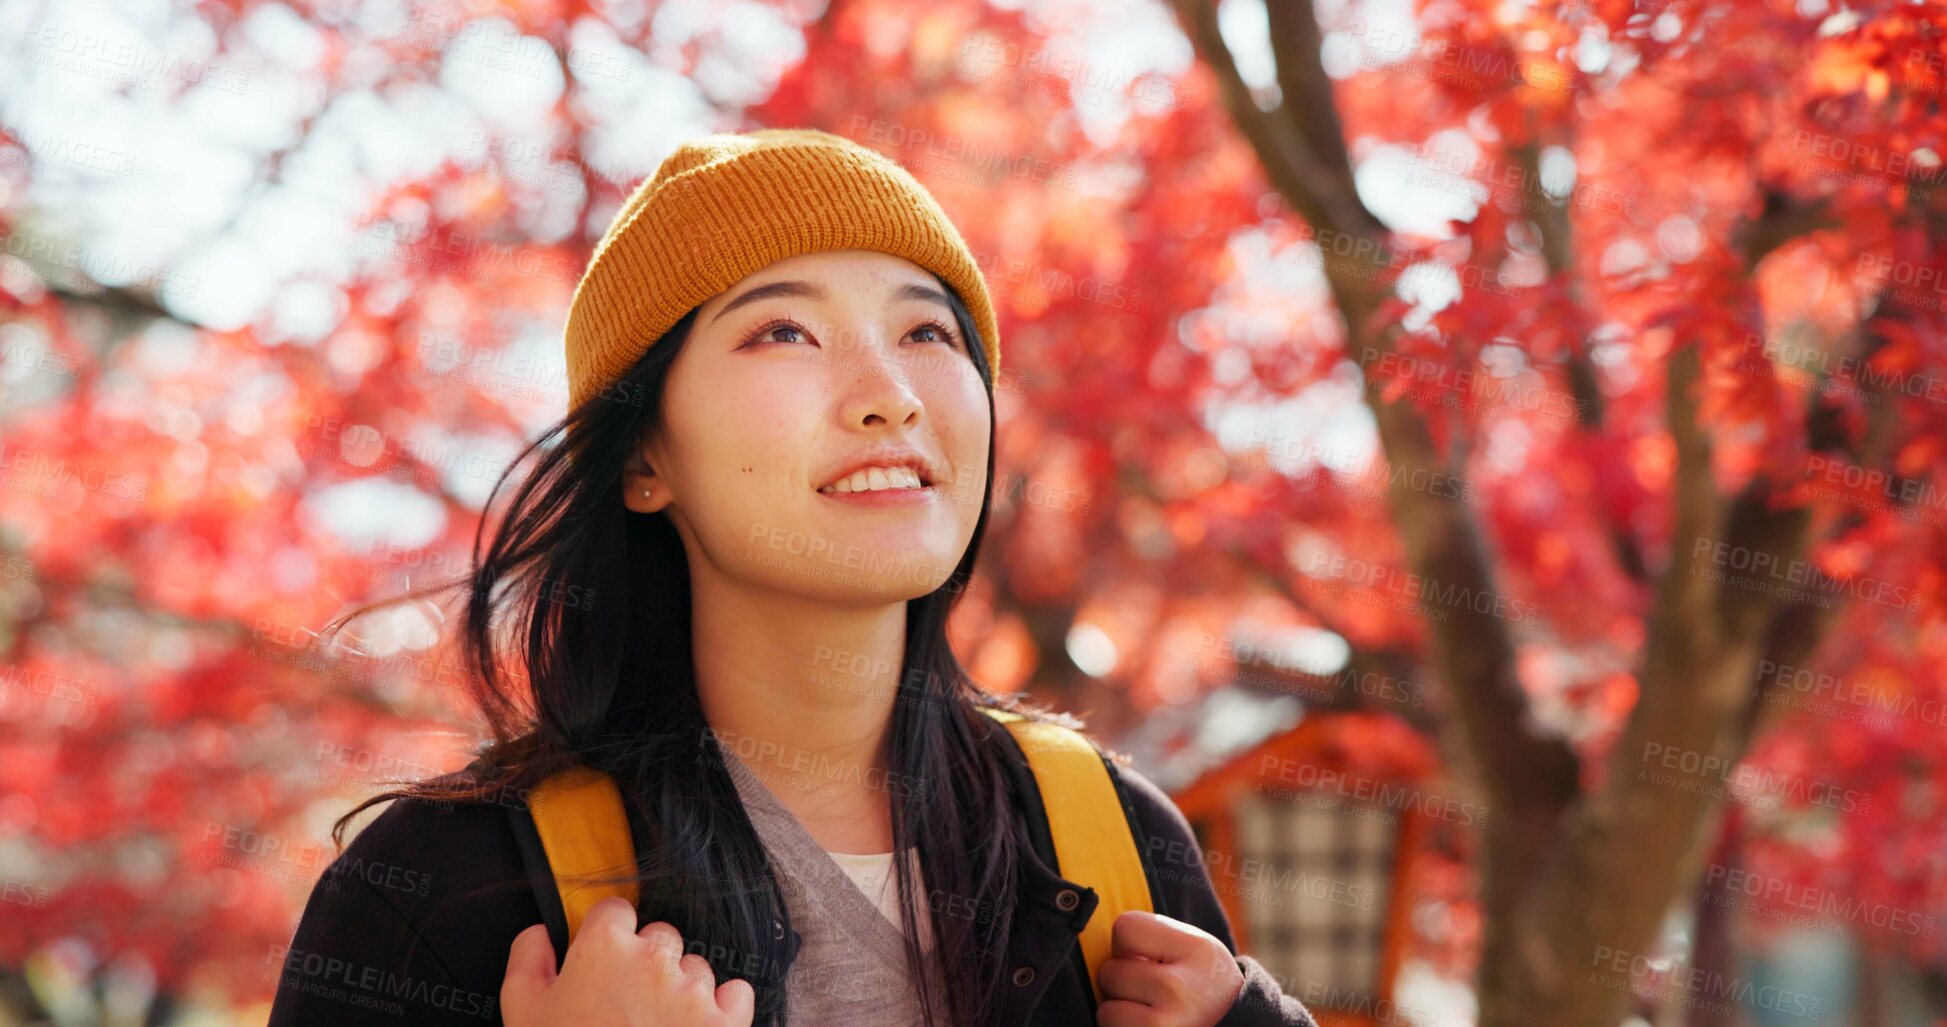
<point>728,579</point>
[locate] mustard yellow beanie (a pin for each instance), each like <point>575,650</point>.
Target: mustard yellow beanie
<point>723,206</point>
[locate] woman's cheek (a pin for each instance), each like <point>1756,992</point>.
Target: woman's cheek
<point>970,440</point>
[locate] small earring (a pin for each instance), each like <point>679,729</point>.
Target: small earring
<point>645,492</point>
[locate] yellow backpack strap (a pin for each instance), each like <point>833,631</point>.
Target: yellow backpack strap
<point>1094,842</point>
<point>584,832</point>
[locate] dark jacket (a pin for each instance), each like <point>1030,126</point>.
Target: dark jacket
<point>412,923</point>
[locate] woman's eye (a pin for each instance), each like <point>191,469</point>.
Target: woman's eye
<point>938,333</point>
<point>780,333</point>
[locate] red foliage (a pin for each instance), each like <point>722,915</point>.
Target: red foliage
<point>165,549</point>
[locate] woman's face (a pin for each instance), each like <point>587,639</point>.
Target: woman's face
<point>791,378</point>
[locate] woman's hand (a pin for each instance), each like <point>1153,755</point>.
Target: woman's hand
<point>616,976</point>
<point>1165,973</point>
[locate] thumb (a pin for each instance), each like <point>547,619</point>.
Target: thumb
<point>530,970</point>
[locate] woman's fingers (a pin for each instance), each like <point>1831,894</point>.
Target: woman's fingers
<point>688,975</point>
<point>613,917</point>
<point>737,1001</point>
<point>613,966</point>
<point>1134,980</point>
<point>694,970</point>
<point>530,970</point>
<point>665,945</point>
<point>606,941</point>
<point>1141,933</point>
<point>533,954</point>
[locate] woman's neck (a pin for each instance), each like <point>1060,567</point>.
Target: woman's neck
<point>802,692</point>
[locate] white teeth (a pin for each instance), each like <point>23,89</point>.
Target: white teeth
<point>872,479</point>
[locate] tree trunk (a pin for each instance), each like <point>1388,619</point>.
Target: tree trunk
<point>1869,984</point>
<point>1578,865</point>
<point>1711,950</point>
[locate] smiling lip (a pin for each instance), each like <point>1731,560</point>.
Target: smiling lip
<point>886,456</point>
<point>886,497</point>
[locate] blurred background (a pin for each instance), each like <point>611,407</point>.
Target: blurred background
<point>1483,457</point>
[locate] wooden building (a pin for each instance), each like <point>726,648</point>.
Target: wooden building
<point>1309,836</point>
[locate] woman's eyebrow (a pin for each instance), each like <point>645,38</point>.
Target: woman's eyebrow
<point>771,289</point>
<point>921,292</point>
<point>908,291</point>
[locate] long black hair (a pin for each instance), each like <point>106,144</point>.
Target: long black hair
<point>576,650</point>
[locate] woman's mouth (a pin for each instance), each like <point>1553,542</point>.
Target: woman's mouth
<point>880,486</point>
<point>884,497</point>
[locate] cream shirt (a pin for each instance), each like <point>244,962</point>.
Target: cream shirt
<point>872,872</point>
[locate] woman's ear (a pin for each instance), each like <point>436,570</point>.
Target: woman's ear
<point>643,490</point>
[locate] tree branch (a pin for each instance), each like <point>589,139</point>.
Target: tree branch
<point>1783,219</point>
<point>1471,647</point>
<point>1551,218</point>
<point>1307,91</point>
<point>1305,178</point>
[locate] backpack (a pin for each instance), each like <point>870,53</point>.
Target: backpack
<point>583,832</point>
